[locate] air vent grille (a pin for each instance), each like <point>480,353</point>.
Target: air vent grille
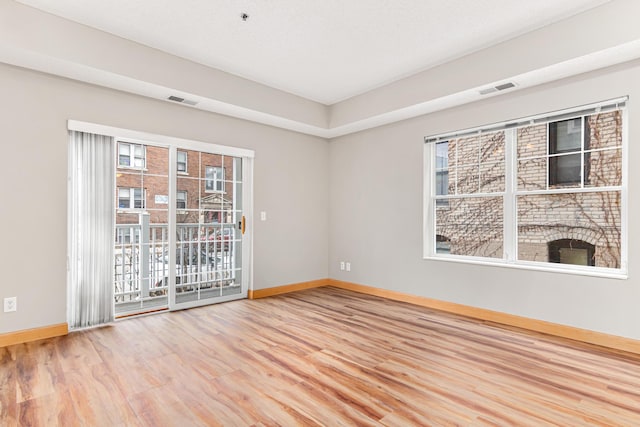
<point>504,86</point>
<point>181,100</point>
<point>492,89</point>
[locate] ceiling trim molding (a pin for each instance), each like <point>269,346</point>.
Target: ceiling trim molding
<point>72,70</point>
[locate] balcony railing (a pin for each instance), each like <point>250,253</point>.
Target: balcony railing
<point>204,261</point>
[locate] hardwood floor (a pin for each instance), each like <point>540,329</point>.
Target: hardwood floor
<point>317,357</point>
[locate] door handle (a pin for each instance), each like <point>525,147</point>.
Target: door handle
<point>244,224</point>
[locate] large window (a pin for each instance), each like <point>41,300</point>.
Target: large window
<point>542,192</point>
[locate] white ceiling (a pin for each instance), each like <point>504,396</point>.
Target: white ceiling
<point>324,50</point>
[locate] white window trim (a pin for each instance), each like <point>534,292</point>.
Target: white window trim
<point>510,194</point>
<point>146,138</point>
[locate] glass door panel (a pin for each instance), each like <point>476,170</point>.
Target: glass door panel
<point>141,229</point>
<point>208,240</point>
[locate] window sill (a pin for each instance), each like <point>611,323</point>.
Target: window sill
<point>523,265</point>
<point>132,168</point>
<point>131,211</point>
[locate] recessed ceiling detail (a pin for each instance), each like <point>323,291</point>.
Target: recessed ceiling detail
<point>326,51</point>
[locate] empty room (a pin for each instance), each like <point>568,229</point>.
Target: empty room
<point>275,212</point>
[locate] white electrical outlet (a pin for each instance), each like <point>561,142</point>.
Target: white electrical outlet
<point>348,266</point>
<point>342,265</point>
<point>263,216</point>
<point>10,304</point>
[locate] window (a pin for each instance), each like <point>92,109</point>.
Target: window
<point>214,178</point>
<point>539,192</point>
<point>127,235</point>
<point>568,140</point>
<point>569,251</point>
<point>182,161</point>
<point>131,198</point>
<point>181,199</point>
<point>443,245</point>
<point>442,172</point>
<point>131,155</point>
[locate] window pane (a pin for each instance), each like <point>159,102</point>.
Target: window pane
<point>124,198</point>
<point>443,245</point>
<point>564,170</point>
<point>532,174</point>
<point>565,136</point>
<point>473,226</point>
<point>468,150</point>
<point>574,256</point>
<point>532,141</point>
<point>442,155</point>
<point>442,183</point>
<point>492,147</point>
<point>605,130</point>
<point>220,179</point>
<point>138,201</point>
<point>467,179</point>
<point>182,161</point>
<point>492,177</point>
<point>590,217</point>
<point>603,168</point>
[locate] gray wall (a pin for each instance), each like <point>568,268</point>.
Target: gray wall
<point>376,214</point>
<point>290,183</point>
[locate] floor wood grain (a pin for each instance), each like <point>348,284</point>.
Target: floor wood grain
<point>318,357</point>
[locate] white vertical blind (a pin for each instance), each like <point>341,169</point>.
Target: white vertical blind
<point>91,218</point>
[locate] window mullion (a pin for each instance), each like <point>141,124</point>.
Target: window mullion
<point>510,202</point>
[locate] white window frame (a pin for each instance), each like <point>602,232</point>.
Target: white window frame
<point>132,199</point>
<point>511,193</point>
<point>178,162</point>
<point>132,157</point>
<point>216,182</point>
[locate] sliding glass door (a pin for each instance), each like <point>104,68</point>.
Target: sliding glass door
<point>179,228</point>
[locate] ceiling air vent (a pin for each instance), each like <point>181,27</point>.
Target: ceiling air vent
<point>493,89</point>
<point>181,100</point>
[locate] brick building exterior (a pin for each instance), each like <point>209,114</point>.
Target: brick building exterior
<point>570,227</point>
<point>204,189</point>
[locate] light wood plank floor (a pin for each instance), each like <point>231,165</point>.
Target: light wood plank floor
<point>318,357</point>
